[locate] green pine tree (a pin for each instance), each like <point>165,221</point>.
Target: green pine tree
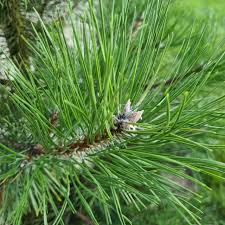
<point>122,113</point>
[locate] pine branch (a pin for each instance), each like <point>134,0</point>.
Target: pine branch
<point>172,80</point>
<point>76,99</point>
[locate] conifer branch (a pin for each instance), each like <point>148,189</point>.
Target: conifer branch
<point>172,80</point>
<point>77,102</point>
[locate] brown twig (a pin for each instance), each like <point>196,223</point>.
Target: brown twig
<point>84,144</point>
<point>179,78</point>
<point>53,121</point>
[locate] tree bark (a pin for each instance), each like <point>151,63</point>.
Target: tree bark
<point>14,30</point>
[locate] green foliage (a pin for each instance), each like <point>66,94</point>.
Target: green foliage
<point>75,157</point>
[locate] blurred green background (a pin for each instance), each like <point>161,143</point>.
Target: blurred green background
<point>218,5</point>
